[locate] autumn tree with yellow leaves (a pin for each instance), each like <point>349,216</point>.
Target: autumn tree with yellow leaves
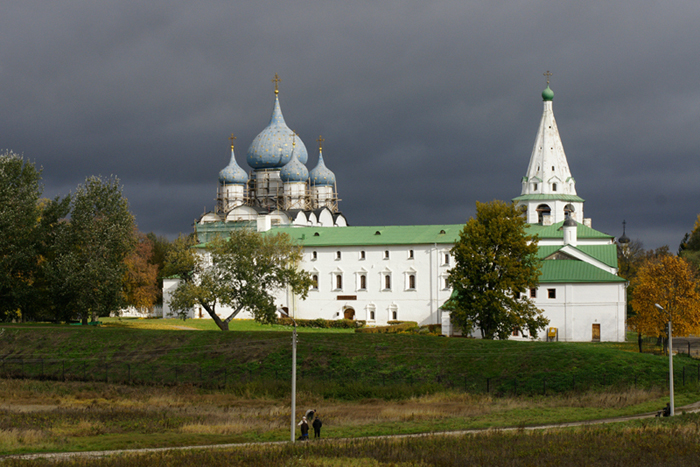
<point>671,282</point>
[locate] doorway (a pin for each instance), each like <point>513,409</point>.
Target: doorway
<point>349,313</point>
<point>596,332</point>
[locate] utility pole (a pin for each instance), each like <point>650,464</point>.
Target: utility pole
<point>670,359</point>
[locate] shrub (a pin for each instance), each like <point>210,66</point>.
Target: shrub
<point>323,323</point>
<point>405,327</point>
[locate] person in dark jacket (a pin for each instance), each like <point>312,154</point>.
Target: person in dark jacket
<point>317,424</point>
<point>304,429</point>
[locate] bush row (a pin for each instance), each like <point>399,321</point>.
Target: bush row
<point>406,326</point>
<point>323,323</point>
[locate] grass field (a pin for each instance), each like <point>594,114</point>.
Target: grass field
<point>361,384</point>
<point>667,443</point>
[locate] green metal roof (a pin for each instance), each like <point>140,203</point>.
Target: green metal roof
<point>541,197</point>
<point>562,270</point>
<point>606,254</point>
<point>556,231</point>
<point>368,236</point>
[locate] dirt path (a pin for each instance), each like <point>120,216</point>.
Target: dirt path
<point>695,407</point>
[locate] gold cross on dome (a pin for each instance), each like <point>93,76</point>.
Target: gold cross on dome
<point>276,80</point>
<point>547,75</point>
<point>320,141</point>
<point>231,138</point>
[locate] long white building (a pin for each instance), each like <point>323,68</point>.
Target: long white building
<point>389,273</point>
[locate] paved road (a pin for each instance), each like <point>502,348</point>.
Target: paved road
<point>67,455</point>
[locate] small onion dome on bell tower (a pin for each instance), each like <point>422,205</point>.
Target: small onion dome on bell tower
<point>294,171</point>
<point>233,173</point>
<point>569,222</point>
<point>321,175</point>
<point>272,148</point>
<point>547,94</point>
<point>624,239</point>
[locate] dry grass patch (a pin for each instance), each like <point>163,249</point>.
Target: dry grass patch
<point>15,439</point>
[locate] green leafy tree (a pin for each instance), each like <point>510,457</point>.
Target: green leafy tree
<point>161,246</point>
<point>20,189</point>
<point>241,272</point>
<point>87,273</point>
<point>52,224</point>
<point>495,264</point>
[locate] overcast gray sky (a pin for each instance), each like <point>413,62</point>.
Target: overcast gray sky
<point>425,107</point>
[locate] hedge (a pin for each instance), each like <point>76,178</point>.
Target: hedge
<point>323,323</point>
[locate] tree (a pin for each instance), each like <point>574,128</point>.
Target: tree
<point>88,271</point>
<point>52,225</point>
<point>241,272</point>
<point>630,257</point>
<point>690,246</point>
<point>671,282</point>
<point>161,247</point>
<point>19,193</point>
<point>141,277</point>
<point>495,264</point>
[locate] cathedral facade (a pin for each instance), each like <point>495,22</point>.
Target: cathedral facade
<point>399,273</point>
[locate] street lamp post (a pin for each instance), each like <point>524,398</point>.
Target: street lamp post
<point>670,357</point>
<point>294,376</point>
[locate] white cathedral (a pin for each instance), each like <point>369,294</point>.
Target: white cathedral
<point>399,273</point>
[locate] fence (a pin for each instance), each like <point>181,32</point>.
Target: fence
<point>142,373</point>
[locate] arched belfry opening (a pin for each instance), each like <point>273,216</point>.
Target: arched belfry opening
<point>543,210</point>
<point>568,211</point>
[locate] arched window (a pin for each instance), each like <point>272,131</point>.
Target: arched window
<point>412,281</point>
<point>339,281</point>
<point>386,254</point>
<point>554,187</point>
<point>314,282</point>
<point>387,282</point>
<point>363,282</point>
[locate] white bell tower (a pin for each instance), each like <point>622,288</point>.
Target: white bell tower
<point>548,189</point>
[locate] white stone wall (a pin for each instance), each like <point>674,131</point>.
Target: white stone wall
<point>419,303</point>
<point>578,306</point>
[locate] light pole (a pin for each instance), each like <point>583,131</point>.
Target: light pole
<point>294,376</point>
<point>670,357</point>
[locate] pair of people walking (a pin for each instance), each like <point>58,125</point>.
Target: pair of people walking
<point>304,425</point>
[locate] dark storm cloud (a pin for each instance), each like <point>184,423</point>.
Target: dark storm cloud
<point>425,107</point>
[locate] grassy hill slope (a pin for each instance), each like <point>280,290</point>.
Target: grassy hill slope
<point>343,365</point>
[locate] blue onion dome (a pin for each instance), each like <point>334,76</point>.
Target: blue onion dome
<point>272,148</point>
<point>233,173</point>
<point>294,171</point>
<point>320,175</point>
